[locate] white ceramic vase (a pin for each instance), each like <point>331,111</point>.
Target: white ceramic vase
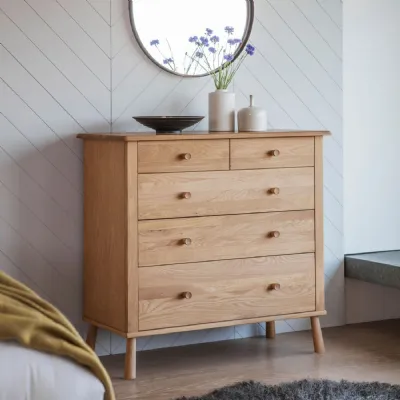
<point>252,119</point>
<point>221,111</point>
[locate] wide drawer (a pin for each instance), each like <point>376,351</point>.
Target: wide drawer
<point>184,240</point>
<point>272,153</point>
<point>183,155</point>
<point>189,294</point>
<point>189,194</point>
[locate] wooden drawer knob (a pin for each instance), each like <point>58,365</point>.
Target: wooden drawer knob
<point>274,234</point>
<point>186,241</point>
<point>274,286</point>
<point>186,295</point>
<point>274,153</point>
<point>186,195</point>
<point>274,191</point>
<point>186,156</point>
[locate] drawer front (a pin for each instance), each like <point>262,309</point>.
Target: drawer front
<point>183,155</point>
<point>189,294</point>
<point>225,237</point>
<point>190,194</point>
<point>272,153</point>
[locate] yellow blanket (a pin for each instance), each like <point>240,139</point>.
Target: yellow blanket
<point>33,322</point>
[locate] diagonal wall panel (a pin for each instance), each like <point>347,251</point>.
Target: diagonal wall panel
<point>53,69</point>
<point>102,7</point>
<point>333,8</point>
<point>310,37</point>
<point>90,21</point>
<point>39,100</point>
<point>77,40</point>
<point>298,51</point>
<point>43,138</point>
<point>30,160</point>
<point>296,79</point>
<point>322,23</point>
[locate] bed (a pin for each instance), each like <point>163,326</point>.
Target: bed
<point>42,356</point>
<point>27,374</point>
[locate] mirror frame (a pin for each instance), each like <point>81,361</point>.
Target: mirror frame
<point>246,36</point>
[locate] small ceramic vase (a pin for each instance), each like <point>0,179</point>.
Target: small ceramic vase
<point>221,111</point>
<point>252,119</point>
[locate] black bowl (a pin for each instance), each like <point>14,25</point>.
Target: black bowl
<point>168,124</point>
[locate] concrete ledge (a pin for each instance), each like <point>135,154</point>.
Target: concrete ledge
<point>382,268</point>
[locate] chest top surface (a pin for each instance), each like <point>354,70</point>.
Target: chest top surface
<point>198,135</point>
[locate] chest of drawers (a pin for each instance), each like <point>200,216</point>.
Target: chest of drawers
<point>187,232</point>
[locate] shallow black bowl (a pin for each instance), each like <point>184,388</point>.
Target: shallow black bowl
<point>168,124</point>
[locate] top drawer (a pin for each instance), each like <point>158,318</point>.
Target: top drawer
<point>272,153</point>
<point>183,155</point>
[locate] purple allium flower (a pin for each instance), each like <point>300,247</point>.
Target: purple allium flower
<point>229,30</point>
<point>204,41</point>
<point>212,50</point>
<point>168,61</point>
<point>214,39</point>
<point>237,41</point>
<point>193,39</point>
<point>154,42</point>
<point>250,49</point>
<point>228,57</point>
<point>199,54</point>
<point>209,31</point>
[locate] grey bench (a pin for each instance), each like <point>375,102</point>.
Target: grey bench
<point>382,268</point>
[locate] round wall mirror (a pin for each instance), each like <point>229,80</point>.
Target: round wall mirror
<point>191,38</point>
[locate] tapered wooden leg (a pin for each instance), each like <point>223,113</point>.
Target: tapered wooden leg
<point>130,359</point>
<point>91,336</point>
<point>270,330</point>
<point>319,346</point>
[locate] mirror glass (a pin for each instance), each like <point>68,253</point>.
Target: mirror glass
<point>188,37</point>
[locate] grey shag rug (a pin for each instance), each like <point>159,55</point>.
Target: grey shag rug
<point>305,390</point>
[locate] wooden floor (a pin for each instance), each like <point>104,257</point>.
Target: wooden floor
<point>363,352</point>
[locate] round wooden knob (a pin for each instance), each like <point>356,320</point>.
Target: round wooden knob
<point>187,241</point>
<point>274,234</point>
<point>274,286</point>
<point>274,191</point>
<point>274,153</point>
<point>186,195</point>
<point>186,156</point>
<point>186,295</point>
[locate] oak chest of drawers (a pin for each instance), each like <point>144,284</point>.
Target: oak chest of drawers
<point>186,232</point>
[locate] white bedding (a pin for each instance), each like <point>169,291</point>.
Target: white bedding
<point>31,375</point>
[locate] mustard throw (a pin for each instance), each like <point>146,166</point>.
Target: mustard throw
<point>34,323</point>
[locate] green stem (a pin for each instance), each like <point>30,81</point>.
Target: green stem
<point>199,64</point>
<point>163,57</point>
<point>172,54</point>
<point>192,58</point>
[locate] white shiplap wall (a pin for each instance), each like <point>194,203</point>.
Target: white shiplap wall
<point>69,66</point>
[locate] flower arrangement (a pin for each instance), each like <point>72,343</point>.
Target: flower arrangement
<point>216,58</point>
<point>210,55</point>
<point>168,61</point>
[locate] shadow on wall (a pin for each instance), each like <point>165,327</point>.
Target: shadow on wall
<point>41,218</point>
<point>335,303</point>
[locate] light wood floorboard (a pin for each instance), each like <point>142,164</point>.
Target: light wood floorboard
<point>363,352</point>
